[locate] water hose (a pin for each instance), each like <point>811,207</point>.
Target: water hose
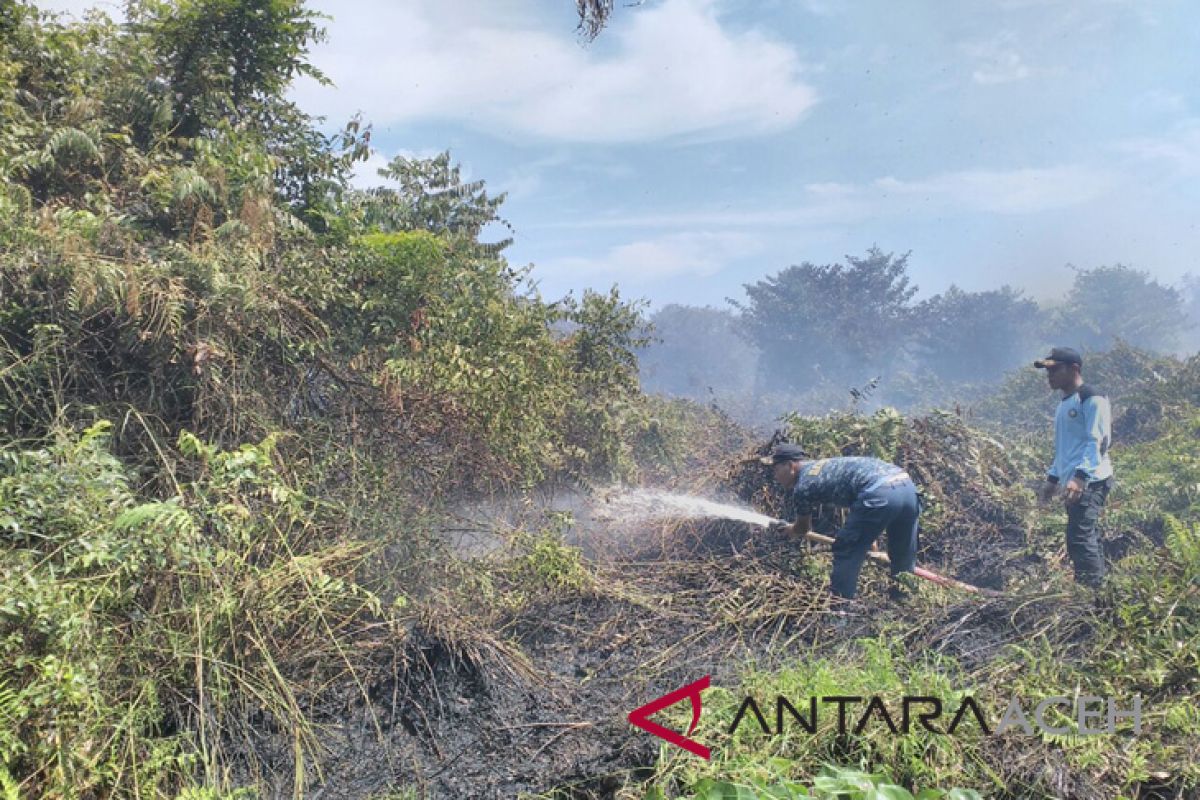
<point>920,572</point>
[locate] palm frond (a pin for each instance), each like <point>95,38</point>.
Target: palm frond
<point>68,145</point>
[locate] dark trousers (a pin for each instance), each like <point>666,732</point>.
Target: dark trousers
<point>894,509</point>
<point>1083,540</point>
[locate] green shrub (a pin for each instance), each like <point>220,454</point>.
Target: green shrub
<point>130,630</point>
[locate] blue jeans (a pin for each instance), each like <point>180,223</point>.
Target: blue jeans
<point>893,508</point>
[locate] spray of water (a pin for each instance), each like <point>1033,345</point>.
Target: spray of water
<point>647,504</point>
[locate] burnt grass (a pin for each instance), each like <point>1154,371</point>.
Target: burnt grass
<point>539,704</point>
<point>485,698</point>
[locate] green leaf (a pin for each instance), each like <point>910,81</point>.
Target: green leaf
<point>708,789</point>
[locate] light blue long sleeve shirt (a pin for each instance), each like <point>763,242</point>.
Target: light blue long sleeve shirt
<point>1082,435</point>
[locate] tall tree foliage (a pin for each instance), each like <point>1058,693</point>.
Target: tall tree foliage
<point>698,353</point>
<point>430,194</point>
<point>1111,303</point>
<point>976,336</point>
<point>835,322</point>
<point>178,175</point>
<point>224,65</point>
<point>175,119</point>
<point>224,59</point>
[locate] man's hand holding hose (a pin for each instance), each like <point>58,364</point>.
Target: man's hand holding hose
<point>781,529</point>
<point>792,531</point>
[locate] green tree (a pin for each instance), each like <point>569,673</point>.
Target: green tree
<point>430,194</point>
<point>976,336</point>
<point>1189,287</point>
<point>176,120</point>
<point>52,138</point>
<point>604,335</point>
<point>608,332</point>
<point>223,59</point>
<point>697,352</point>
<point>1118,302</point>
<point>220,69</point>
<point>831,323</point>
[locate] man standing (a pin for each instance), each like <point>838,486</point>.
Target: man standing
<point>880,496</point>
<point>1082,434</point>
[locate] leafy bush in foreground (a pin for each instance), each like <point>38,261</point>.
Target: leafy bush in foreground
<point>137,637</point>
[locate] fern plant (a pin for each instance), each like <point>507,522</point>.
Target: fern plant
<point>1182,540</point>
<point>72,147</point>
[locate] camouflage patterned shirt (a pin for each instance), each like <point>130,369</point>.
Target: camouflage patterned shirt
<point>838,481</point>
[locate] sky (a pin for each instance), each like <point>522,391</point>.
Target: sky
<point>700,145</point>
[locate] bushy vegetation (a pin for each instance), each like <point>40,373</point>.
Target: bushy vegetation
<point>142,637</point>
<point>1146,391</point>
<point>237,397</point>
<point>228,381</point>
<point>191,267</point>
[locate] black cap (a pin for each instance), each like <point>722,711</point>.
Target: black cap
<point>1059,355</point>
<point>784,452</point>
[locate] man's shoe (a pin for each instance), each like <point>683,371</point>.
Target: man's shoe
<point>903,587</point>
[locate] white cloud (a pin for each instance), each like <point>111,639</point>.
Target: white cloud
<point>528,178</point>
<point>1162,101</point>
<point>997,61</point>
<point>1004,68</point>
<point>519,185</point>
<point>690,254</point>
<point>674,70</point>
<point>78,8</point>
<point>1178,149</point>
<point>366,173</point>
<point>1012,192</point>
<point>1020,191</point>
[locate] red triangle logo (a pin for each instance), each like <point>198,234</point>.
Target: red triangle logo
<point>641,717</point>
